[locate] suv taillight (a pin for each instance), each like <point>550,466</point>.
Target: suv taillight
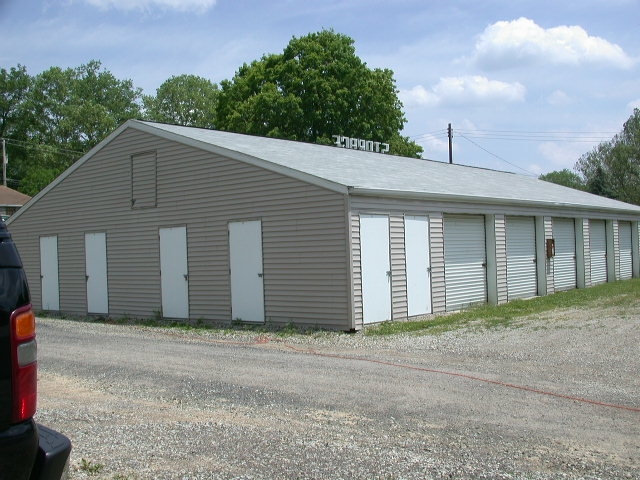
<point>24,364</point>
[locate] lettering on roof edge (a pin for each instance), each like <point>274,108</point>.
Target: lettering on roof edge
<point>360,144</point>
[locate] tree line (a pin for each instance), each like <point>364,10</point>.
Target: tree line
<point>611,169</point>
<point>317,87</point>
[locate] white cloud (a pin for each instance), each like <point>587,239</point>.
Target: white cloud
<point>464,91</point>
<point>535,168</point>
<point>178,5</point>
<point>510,43</point>
<point>559,99</point>
<point>563,155</point>
<point>418,95</point>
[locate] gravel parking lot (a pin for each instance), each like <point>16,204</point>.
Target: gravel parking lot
<point>555,397</point>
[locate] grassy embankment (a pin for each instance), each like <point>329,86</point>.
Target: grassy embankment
<point>624,294</point>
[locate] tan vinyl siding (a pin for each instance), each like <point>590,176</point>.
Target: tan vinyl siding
<point>436,241</point>
<point>625,255</point>
<point>548,233</point>
<point>586,236</point>
<point>581,273</point>
<point>611,250</point>
<point>144,180</point>
<point>635,239</point>
<point>501,258</point>
<point>71,259</point>
<point>29,250</point>
<point>300,270</point>
<point>133,259</point>
<point>357,270</point>
<point>399,305</point>
<point>616,250</point>
<point>304,237</point>
<point>350,266</point>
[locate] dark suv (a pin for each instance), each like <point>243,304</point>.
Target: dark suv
<point>27,450</point>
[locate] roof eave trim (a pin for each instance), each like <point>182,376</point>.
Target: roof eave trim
<point>369,192</point>
<point>242,157</point>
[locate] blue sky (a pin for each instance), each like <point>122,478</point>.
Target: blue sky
<point>528,86</point>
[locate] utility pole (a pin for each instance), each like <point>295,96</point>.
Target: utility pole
<point>4,163</point>
<point>450,133</point>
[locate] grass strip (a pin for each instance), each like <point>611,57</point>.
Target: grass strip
<point>616,294</point>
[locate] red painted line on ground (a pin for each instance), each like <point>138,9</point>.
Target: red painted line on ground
<point>262,340</point>
<point>468,377</point>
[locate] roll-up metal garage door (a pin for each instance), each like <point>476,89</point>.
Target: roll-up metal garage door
<point>626,258</point>
<point>598,251</point>
<point>564,262</point>
<point>465,261</point>
<point>522,281</point>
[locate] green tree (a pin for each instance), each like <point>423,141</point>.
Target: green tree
<point>316,88</point>
<point>186,100</point>
<point>564,177</point>
<point>598,183</point>
<point>61,115</point>
<point>14,87</point>
<point>613,168</point>
<point>36,178</point>
<point>76,108</point>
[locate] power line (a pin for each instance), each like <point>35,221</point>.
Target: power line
<point>526,135</point>
<point>564,136</point>
<point>497,156</point>
<point>560,137</point>
<point>517,135</point>
<point>435,134</point>
<point>41,146</point>
<point>545,131</point>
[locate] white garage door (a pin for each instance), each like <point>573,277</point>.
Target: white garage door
<point>49,273</point>
<point>465,261</point>
<point>522,280</point>
<point>598,251</point>
<point>174,274</point>
<point>376,268</point>
<point>564,262</point>
<point>246,268</point>
<point>626,258</point>
<point>95,250</point>
<point>416,244</point>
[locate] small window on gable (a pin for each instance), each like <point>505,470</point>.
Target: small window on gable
<point>143,180</point>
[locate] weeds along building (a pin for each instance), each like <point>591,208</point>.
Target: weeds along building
<point>206,225</point>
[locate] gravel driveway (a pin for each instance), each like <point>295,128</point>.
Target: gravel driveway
<point>556,397</point>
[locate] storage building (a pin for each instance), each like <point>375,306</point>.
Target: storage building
<point>206,225</point>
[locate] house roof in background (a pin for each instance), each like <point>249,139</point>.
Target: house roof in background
<point>12,198</point>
